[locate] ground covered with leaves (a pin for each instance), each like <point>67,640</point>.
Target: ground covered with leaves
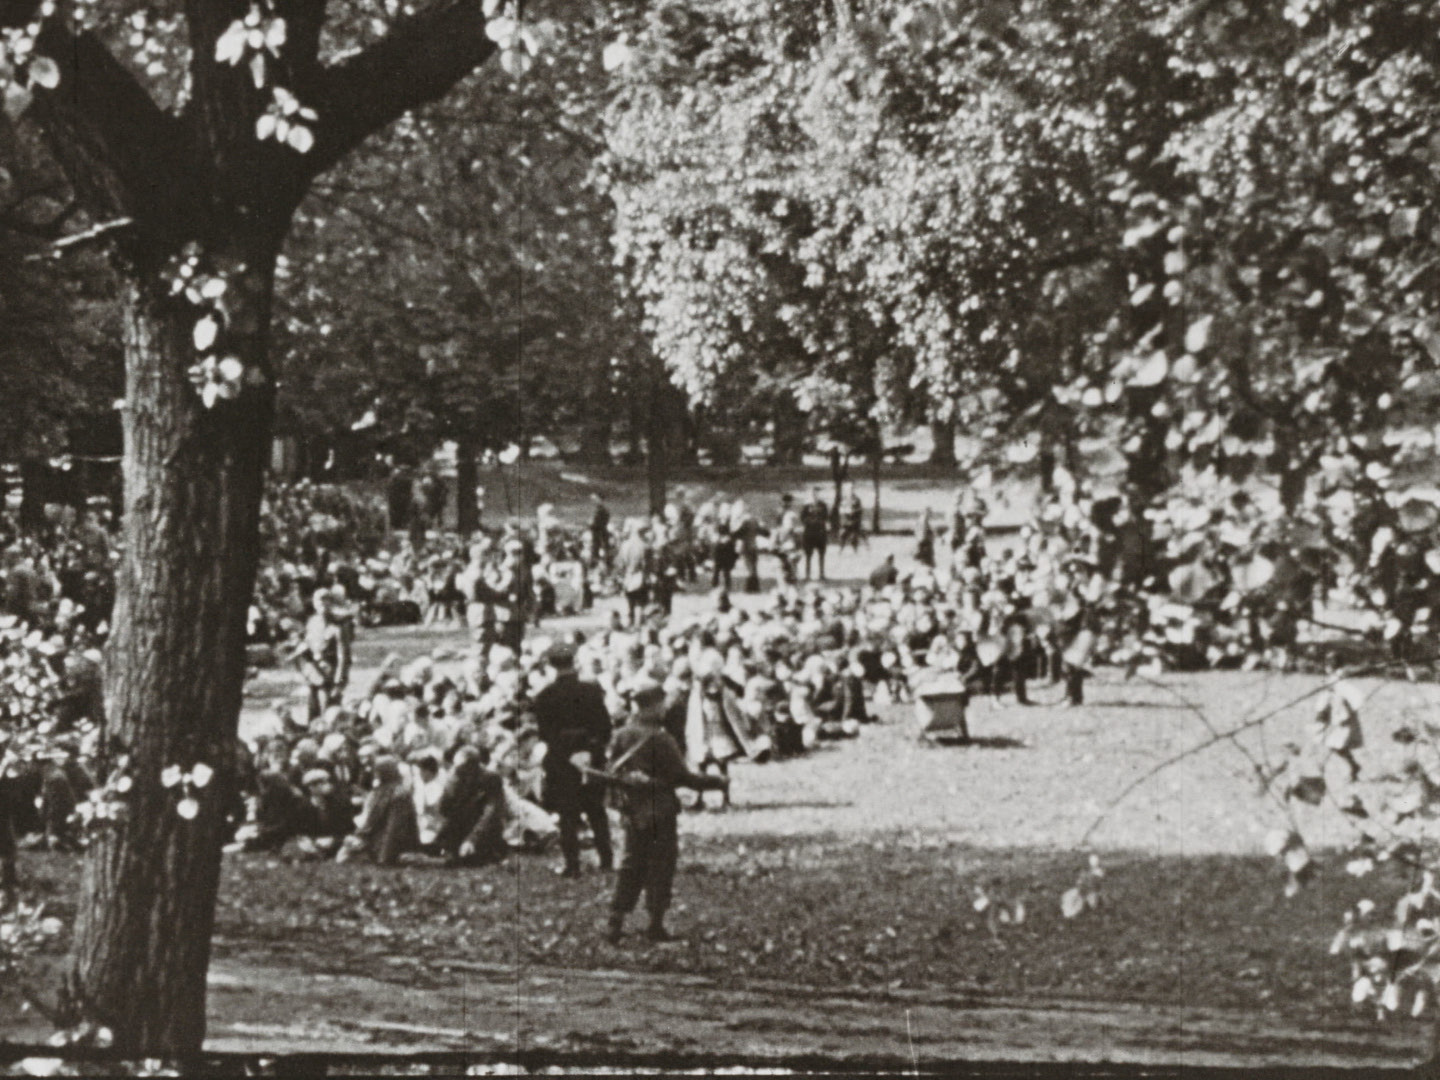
<point>864,864</point>
<point>889,866</point>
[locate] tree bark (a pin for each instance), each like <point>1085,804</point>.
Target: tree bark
<point>788,444</point>
<point>595,442</point>
<point>175,670</point>
<point>875,456</point>
<point>943,434</point>
<point>657,465</point>
<point>467,507</point>
<point>194,475</point>
<point>839,473</point>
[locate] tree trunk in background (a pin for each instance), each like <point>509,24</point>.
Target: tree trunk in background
<point>657,423</point>
<point>687,453</point>
<point>635,434</point>
<point>839,473</point>
<point>943,433</point>
<point>34,483</point>
<point>595,443</point>
<point>467,478</point>
<point>788,445</point>
<point>875,481</point>
<point>1146,476</point>
<point>1047,460</point>
<point>175,669</point>
<point>1292,476</point>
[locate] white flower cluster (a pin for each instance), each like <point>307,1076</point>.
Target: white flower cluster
<point>22,70</point>
<point>261,34</point>
<point>287,121</point>
<point>216,377</point>
<point>519,43</point>
<point>107,803</point>
<point>258,34</point>
<point>189,784</point>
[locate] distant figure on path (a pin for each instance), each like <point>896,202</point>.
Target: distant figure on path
<point>925,540</point>
<point>815,532</point>
<point>634,568</point>
<point>322,655</point>
<point>852,523</point>
<point>600,531</point>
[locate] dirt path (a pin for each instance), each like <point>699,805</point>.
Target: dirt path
<point>261,1009</point>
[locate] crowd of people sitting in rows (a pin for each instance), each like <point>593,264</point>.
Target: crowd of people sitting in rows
<point>461,759</point>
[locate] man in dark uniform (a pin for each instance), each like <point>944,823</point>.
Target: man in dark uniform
<point>647,768</point>
<point>573,721</point>
<point>815,532</point>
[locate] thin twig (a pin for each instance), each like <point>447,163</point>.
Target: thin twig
<point>1224,736</point>
<point>58,247</point>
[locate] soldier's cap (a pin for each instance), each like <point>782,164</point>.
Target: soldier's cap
<point>646,692</point>
<point>315,776</point>
<point>561,655</point>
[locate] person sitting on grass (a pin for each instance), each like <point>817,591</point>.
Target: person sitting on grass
<point>387,827</point>
<point>280,808</point>
<point>471,812</point>
<point>329,815</point>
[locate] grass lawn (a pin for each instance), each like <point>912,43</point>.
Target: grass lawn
<point>854,868</point>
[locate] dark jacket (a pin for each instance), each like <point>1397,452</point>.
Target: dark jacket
<point>388,825</point>
<point>650,773</point>
<point>571,716</point>
<point>472,807</point>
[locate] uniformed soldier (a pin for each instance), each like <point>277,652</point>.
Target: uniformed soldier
<point>815,531</point>
<point>574,724</point>
<point>646,768</point>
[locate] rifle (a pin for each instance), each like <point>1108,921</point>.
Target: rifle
<point>613,777</point>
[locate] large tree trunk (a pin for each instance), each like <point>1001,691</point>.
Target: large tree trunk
<point>193,475</point>
<point>174,671</point>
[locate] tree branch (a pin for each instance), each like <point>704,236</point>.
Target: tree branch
<point>120,151</point>
<point>416,63</point>
<point>51,229</point>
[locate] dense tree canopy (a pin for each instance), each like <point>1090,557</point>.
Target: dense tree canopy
<point>1201,235</point>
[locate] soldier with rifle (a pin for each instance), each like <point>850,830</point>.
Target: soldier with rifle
<point>646,768</point>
